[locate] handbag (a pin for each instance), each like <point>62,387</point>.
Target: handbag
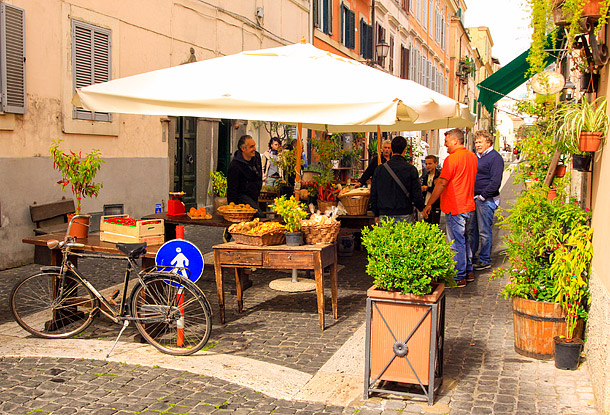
<point>402,186</point>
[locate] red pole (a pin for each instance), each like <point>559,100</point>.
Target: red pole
<point>180,299</point>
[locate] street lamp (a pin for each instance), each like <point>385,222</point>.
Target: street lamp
<point>382,49</point>
<point>568,90</point>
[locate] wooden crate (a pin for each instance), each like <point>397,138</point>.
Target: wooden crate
<point>151,231</point>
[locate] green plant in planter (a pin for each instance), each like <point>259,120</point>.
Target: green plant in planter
<point>570,267</point>
<point>76,171</point>
<point>219,184</point>
<point>580,116</point>
<point>291,210</point>
<point>408,257</point>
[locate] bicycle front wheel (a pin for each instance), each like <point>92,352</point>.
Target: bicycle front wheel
<point>172,314</point>
<point>37,307</point>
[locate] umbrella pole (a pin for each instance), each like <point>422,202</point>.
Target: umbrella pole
<point>378,145</point>
<point>299,150</point>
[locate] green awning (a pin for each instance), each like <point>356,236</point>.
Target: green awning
<point>509,77</point>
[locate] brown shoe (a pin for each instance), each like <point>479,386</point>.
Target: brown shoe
<point>461,283</point>
<point>470,277</point>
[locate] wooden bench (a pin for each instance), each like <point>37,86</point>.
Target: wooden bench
<point>50,218</point>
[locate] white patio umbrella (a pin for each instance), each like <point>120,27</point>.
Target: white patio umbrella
<point>291,84</point>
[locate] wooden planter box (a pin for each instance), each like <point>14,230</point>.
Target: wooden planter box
<point>535,324</point>
<point>151,231</point>
<point>417,322</point>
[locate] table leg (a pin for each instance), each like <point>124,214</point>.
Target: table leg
<point>219,286</point>
<point>319,275</point>
<point>333,287</point>
<point>238,289</point>
<point>170,231</point>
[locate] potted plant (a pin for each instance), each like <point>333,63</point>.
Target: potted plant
<point>219,189</point>
<point>583,125</point>
<point>292,212</point>
<point>410,264</point>
<point>536,229</point>
<point>570,268</point>
<point>78,173</point>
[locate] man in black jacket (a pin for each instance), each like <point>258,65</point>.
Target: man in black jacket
<point>388,199</point>
<point>386,153</point>
<point>245,174</point>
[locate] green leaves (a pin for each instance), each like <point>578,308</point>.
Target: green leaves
<point>407,257</point>
<point>219,184</point>
<point>77,172</point>
<point>291,210</point>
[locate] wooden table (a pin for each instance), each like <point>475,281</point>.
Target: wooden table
<point>239,256</point>
<point>92,244</point>
<point>172,220</point>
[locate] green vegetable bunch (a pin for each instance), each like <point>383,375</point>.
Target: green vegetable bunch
<point>408,257</point>
<point>219,184</point>
<point>291,210</point>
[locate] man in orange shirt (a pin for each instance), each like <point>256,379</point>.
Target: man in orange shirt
<point>455,187</point>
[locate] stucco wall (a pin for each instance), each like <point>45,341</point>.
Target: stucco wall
<point>137,183</point>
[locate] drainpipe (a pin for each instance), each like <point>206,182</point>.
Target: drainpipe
<point>374,32</point>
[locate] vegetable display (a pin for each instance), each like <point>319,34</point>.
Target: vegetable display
<point>124,221</point>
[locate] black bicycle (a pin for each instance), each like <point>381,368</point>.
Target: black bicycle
<point>57,302</point>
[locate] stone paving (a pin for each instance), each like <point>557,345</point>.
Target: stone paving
<point>483,374</point>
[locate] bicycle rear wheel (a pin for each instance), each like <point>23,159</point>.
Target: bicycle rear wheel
<point>172,314</point>
<point>35,306</point>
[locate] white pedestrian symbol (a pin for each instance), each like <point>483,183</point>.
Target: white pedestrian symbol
<point>181,262</point>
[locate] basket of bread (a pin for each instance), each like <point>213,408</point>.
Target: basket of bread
<point>199,214</point>
<point>237,213</point>
<point>258,233</point>
<point>355,200</point>
<point>319,228</point>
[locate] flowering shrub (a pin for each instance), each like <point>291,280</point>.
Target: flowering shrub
<point>219,184</point>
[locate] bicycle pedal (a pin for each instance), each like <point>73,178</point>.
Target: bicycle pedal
<point>115,294</point>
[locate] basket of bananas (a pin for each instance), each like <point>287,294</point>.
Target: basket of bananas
<point>258,233</point>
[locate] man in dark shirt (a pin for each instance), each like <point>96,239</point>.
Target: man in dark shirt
<point>486,198</point>
<point>388,199</point>
<point>386,153</point>
<point>245,175</point>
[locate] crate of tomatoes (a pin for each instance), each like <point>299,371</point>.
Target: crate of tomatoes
<point>122,228</point>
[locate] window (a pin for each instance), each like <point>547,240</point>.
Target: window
<point>431,17</point>
<point>366,40</point>
<point>424,19</point>
<point>405,4</point>
<point>323,15</point>
<point>404,62</point>
<point>348,32</point>
<point>90,63</point>
<point>12,61</point>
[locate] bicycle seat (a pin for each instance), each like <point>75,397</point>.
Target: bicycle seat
<point>132,250</point>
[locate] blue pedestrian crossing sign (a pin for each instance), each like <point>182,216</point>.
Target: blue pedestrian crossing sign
<point>181,254</point>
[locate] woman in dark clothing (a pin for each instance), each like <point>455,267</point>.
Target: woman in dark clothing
<point>429,175</point>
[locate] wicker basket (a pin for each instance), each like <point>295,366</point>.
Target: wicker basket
<point>321,234</point>
<point>275,238</point>
<point>241,215</point>
<point>325,204</point>
<point>355,205</point>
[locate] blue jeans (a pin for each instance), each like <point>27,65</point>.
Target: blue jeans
<point>457,231</point>
<point>481,228</point>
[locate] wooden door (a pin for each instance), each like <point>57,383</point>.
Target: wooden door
<point>185,159</point>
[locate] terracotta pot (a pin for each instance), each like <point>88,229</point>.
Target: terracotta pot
<point>560,170</point>
<point>552,194</point>
<point>80,227</point>
<point>591,9</point>
<point>400,318</point>
<point>589,141</point>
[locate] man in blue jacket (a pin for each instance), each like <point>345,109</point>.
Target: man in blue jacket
<point>486,198</point>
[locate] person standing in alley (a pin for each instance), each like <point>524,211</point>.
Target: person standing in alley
<point>455,187</point>
<point>386,154</point>
<point>486,198</point>
<point>395,189</point>
<point>429,175</point>
<point>245,175</point>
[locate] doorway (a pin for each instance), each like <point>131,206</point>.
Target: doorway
<point>224,145</point>
<point>185,160</point>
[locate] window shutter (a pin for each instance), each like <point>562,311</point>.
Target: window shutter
<point>329,16</point>
<point>369,41</point>
<point>12,61</point>
<point>351,20</point>
<point>315,11</point>
<point>91,63</point>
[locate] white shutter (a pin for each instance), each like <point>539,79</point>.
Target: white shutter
<point>12,59</point>
<point>91,48</point>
